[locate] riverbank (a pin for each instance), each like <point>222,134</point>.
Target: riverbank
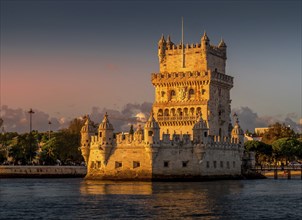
<point>294,174</point>
<point>42,171</point>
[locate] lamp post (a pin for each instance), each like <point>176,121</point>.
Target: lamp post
<point>49,123</point>
<point>30,137</point>
<point>30,119</point>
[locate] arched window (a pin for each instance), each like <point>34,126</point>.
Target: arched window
<point>172,112</point>
<point>198,111</point>
<point>173,93</point>
<point>150,133</point>
<point>186,111</point>
<point>166,112</point>
<point>160,112</point>
<point>192,110</point>
<point>179,112</point>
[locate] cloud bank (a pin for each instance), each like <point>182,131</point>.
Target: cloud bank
<point>249,120</point>
<point>17,120</point>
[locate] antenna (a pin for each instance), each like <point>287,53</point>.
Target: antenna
<point>182,42</point>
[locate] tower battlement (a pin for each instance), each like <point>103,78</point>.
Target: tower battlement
<point>192,48</point>
<point>191,57</point>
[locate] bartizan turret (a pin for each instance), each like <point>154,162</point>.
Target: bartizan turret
<point>200,130</point>
<point>105,137</point>
<point>152,136</point>
<point>162,49</point>
<point>200,137</point>
<point>237,132</point>
<point>205,42</point>
<point>86,132</point>
<point>223,47</point>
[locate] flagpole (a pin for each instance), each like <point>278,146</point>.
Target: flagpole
<point>182,42</point>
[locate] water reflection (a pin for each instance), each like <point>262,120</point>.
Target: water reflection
<point>187,199</point>
<point>95,187</point>
<point>79,199</point>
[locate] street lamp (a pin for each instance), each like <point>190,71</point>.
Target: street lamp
<point>30,137</point>
<point>30,119</point>
<point>49,123</point>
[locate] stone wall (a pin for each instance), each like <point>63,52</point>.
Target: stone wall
<point>182,162</point>
<point>168,161</point>
<point>125,162</point>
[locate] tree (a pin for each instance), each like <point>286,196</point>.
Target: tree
<point>277,131</point>
<point>287,149</point>
<point>76,125</point>
<point>263,151</point>
<point>5,143</point>
<point>48,154</point>
<point>23,148</point>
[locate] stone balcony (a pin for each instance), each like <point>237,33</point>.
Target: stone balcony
<point>176,118</point>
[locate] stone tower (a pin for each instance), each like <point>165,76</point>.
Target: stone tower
<point>86,132</point>
<point>105,139</point>
<point>237,132</point>
<point>192,80</point>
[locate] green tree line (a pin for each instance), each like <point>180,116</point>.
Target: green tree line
<point>37,148</point>
<point>279,144</point>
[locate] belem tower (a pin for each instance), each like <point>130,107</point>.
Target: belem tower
<point>189,134</point>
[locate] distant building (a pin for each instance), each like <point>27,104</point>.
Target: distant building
<point>189,133</point>
<point>260,131</point>
<point>251,138</point>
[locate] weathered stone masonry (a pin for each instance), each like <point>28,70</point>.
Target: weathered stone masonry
<point>188,134</point>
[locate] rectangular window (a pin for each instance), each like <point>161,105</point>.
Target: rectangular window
<point>92,164</point>
<point>99,164</point>
<point>234,164</point>
<point>185,163</point>
<point>208,164</point>
<point>166,163</point>
<point>214,164</point>
<point>136,164</point>
<point>228,164</point>
<point>118,164</point>
<point>221,164</point>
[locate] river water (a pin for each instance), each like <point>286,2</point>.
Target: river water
<point>80,199</point>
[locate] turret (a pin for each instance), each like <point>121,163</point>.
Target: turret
<point>161,48</point>
<point>86,132</point>
<point>169,42</point>
<point>237,132</point>
<point>205,42</point>
<point>200,130</point>
<point>105,131</point>
<point>151,131</point>
<point>222,46</point>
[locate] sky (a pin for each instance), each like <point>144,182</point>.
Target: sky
<point>68,58</point>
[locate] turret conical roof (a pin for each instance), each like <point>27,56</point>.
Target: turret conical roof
<point>200,124</point>
<point>152,123</point>
<point>205,37</point>
<point>222,43</point>
<point>88,127</point>
<point>237,129</point>
<point>105,124</point>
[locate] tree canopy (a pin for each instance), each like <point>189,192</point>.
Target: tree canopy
<point>277,131</point>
